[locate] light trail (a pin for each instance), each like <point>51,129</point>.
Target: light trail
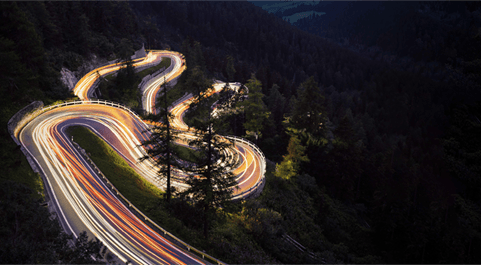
<point>83,87</point>
<point>152,90</point>
<point>95,205</point>
<point>84,201</point>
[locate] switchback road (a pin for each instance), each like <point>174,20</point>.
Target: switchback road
<point>83,201</point>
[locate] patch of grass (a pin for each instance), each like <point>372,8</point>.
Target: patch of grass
<point>134,187</point>
<point>145,196</point>
<point>230,239</point>
<point>173,94</point>
<point>109,77</point>
<point>188,154</point>
<point>164,63</point>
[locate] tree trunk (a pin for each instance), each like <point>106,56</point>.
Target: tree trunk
<point>168,143</point>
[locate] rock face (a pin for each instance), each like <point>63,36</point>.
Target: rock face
<point>92,63</point>
<point>139,54</point>
<point>68,78</point>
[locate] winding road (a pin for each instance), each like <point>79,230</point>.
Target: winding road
<point>82,200</point>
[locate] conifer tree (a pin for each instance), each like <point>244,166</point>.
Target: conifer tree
<point>160,146</point>
<point>211,184</point>
<point>255,110</point>
<point>308,109</point>
<point>230,70</point>
<point>290,165</point>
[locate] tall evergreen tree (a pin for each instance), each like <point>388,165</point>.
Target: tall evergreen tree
<point>255,110</point>
<point>308,109</point>
<point>211,184</point>
<point>160,146</point>
<point>230,70</point>
<point>290,166</point>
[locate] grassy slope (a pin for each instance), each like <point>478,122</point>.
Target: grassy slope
<point>145,196</point>
<point>138,190</point>
<point>228,239</point>
<point>14,164</point>
<point>165,63</point>
<point>187,154</point>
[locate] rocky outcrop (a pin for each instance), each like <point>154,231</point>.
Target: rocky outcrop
<point>91,64</point>
<point>139,54</point>
<point>68,78</point>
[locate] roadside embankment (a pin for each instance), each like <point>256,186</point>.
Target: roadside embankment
<point>22,117</point>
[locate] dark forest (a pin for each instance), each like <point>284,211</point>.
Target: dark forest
<point>372,135</point>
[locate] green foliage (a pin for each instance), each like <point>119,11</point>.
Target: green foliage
<point>200,86</point>
<point>160,145</point>
<point>295,152</point>
<point>188,154</point>
<point>164,63</point>
<point>254,109</point>
<point>277,104</point>
<point>114,167</point>
<point>233,244</point>
<point>16,167</point>
<point>337,232</point>
<point>196,81</point>
<point>211,184</point>
<point>125,50</point>
<point>123,87</point>
<point>260,222</point>
<point>285,169</point>
<point>125,83</point>
<point>25,72</point>
<point>291,164</point>
<point>308,109</point>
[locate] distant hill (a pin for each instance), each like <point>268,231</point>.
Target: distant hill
<point>424,31</point>
<point>283,6</point>
<point>292,11</point>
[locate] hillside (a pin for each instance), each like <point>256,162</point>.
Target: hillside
<point>390,174</point>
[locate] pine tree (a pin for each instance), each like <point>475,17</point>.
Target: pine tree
<point>125,50</point>
<point>255,110</point>
<point>211,184</point>
<point>160,146</point>
<point>230,70</point>
<point>308,109</point>
<point>290,166</point>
